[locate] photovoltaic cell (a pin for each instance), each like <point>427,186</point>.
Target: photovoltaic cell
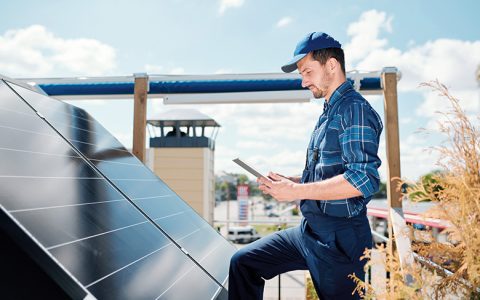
<point>137,182</point>
<point>85,229</point>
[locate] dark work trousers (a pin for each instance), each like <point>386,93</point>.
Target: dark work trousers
<point>331,253</point>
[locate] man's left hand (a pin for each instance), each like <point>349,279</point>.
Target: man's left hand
<point>279,187</point>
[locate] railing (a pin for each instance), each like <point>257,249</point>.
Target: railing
<point>402,233</point>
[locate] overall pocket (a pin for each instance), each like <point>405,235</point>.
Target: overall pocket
<point>325,248</point>
<point>346,241</point>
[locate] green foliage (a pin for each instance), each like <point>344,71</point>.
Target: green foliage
<point>311,293</point>
<point>427,188</point>
<point>254,190</point>
<point>295,211</point>
<point>267,197</point>
<point>382,191</point>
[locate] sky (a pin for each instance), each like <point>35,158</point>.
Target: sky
<point>425,40</point>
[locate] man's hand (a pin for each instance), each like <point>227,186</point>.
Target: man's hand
<point>279,187</point>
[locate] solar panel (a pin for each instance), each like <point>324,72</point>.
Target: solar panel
<point>71,195</point>
<point>137,182</point>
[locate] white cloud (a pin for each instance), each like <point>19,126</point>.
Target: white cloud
<point>452,62</point>
<point>434,107</point>
<point>364,34</point>
<point>284,22</point>
<point>469,100</point>
<point>35,52</point>
<point>227,4</point>
<point>417,158</point>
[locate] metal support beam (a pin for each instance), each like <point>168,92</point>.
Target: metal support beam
<point>140,115</point>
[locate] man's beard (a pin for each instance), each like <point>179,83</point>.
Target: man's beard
<point>317,93</point>
<point>326,81</point>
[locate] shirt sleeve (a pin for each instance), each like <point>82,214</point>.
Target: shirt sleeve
<point>359,143</point>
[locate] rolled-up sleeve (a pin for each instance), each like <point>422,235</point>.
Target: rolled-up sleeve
<point>359,142</point>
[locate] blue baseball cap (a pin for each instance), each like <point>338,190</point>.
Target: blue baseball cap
<point>313,41</point>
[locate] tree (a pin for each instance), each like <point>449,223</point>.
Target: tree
<point>242,179</point>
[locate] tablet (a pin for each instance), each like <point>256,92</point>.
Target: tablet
<point>248,168</point>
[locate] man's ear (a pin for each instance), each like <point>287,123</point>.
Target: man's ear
<point>332,64</point>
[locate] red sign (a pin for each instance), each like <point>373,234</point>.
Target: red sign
<point>242,191</point>
<point>242,197</point>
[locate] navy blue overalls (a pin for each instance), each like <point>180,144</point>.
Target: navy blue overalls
<point>298,248</point>
<point>330,248</point>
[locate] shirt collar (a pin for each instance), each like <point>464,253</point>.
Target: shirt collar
<point>337,94</point>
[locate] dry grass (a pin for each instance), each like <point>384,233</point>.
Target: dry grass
<point>395,286</point>
<point>456,191</point>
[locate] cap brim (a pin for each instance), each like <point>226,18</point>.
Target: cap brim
<point>292,64</point>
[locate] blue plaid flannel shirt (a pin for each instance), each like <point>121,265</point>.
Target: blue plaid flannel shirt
<point>345,141</point>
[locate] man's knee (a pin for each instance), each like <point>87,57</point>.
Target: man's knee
<point>238,258</point>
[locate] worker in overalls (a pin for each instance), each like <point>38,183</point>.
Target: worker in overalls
<point>339,179</point>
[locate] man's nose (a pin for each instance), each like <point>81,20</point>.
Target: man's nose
<point>304,83</point>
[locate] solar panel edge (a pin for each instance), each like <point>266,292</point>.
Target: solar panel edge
<point>222,294</point>
<point>42,257</point>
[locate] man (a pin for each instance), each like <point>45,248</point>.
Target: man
<point>338,181</point>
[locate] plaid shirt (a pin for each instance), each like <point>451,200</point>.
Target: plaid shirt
<point>345,141</point>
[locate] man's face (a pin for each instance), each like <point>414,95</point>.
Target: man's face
<point>314,76</point>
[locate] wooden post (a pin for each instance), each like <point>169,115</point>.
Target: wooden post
<point>140,115</point>
<point>389,79</point>
<point>390,105</point>
<point>397,227</point>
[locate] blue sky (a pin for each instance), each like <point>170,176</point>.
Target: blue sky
<point>424,39</point>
